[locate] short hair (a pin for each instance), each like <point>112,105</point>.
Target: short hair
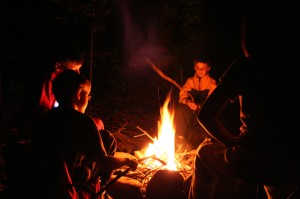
<point>66,84</point>
<point>201,59</point>
<point>67,53</point>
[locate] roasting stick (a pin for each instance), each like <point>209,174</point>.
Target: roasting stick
<point>149,136</point>
<point>111,182</point>
<point>165,77</point>
<point>161,74</point>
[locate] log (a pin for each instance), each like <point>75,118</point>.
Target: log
<point>165,184</point>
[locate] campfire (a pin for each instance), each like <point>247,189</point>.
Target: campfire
<point>163,147</point>
<point>159,160</point>
<point>164,165</point>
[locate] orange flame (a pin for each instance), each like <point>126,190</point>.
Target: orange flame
<point>164,146</point>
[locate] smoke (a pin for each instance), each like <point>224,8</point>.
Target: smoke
<point>142,33</point>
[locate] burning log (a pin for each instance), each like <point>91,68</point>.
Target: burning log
<point>161,172</point>
<point>165,184</point>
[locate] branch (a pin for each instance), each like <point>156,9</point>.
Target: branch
<point>161,74</point>
<point>149,136</point>
<point>165,77</point>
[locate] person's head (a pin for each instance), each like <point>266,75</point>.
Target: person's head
<point>72,89</point>
<point>201,66</point>
<point>68,58</point>
<point>69,64</point>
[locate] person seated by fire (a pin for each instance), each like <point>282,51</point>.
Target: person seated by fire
<point>68,151</point>
<point>191,97</point>
<point>69,57</point>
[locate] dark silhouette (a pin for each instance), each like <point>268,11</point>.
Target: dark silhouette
<point>68,151</point>
<point>265,151</point>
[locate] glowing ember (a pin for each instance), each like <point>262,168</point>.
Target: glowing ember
<point>164,146</point>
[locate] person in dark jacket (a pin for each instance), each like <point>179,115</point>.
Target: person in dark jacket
<point>67,147</point>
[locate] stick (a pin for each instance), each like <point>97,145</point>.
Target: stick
<point>149,136</point>
<point>161,74</point>
<point>123,173</point>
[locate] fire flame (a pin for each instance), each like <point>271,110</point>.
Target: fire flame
<point>164,146</point>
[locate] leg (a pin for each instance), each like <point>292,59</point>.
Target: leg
<point>183,119</point>
<point>209,165</point>
<point>189,133</point>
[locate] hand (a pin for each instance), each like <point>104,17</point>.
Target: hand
<point>132,163</point>
<point>193,106</point>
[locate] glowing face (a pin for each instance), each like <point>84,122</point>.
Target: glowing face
<point>85,96</point>
<point>201,69</point>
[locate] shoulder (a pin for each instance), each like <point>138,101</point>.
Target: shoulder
<point>213,80</point>
<point>192,79</point>
<point>68,114</point>
<point>208,79</point>
<point>83,118</point>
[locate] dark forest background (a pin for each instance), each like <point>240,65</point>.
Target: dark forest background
<point>115,37</point>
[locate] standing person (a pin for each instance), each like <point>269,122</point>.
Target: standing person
<point>67,57</point>
<point>41,98</point>
<point>67,147</point>
<point>266,150</point>
<point>70,58</point>
<point>65,60</point>
<point>193,94</point>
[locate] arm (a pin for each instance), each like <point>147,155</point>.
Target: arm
<point>209,115</point>
<point>213,86</point>
<point>110,163</point>
<point>104,161</point>
<point>184,96</point>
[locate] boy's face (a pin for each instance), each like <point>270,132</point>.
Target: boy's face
<point>201,69</point>
<point>84,97</point>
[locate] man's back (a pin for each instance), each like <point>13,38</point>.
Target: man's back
<point>62,135</point>
<point>66,130</point>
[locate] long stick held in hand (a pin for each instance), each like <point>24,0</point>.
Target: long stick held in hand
<point>161,74</point>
